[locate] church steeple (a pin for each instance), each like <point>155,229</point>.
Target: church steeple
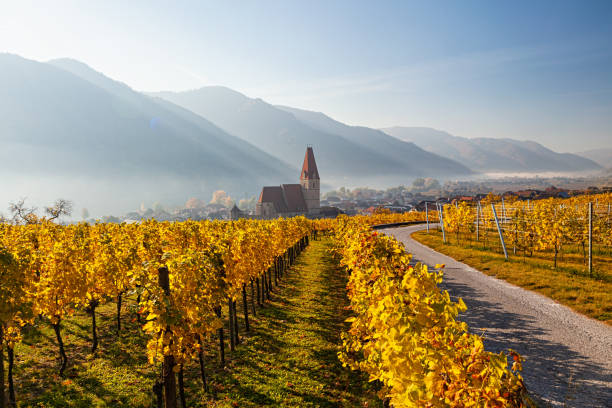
<point>309,180</point>
<point>309,168</point>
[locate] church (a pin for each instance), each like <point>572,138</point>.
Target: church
<point>289,200</point>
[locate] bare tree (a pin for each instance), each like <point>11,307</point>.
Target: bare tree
<point>60,207</point>
<point>22,213</point>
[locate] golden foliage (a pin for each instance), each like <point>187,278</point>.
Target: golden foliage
<point>52,270</point>
<point>405,333</point>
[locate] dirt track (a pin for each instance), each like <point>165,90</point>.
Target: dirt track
<point>568,356</point>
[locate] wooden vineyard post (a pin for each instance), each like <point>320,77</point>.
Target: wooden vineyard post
<point>201,360</point>
<point>590,238</point>
<point>276,275</point>
<point>2,398</point>
<point>426,217</point>
<point>277,264</point>
<point>441,215</point>
<point>246,308</point>
<point>253,298</point>
<point>181,382</point>
<point>221,338</point>
<point>263,288</point>
<point>230,320</point>
<point>10,351</point>
<point>168,364</point>
<point>269,282</point>
<point>234,308</point>
<point>477,221</point>
<point>501,235</point>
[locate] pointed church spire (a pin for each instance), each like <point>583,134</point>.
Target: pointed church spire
<point>309,168</point>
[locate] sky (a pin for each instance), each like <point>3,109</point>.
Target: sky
<point>538,70</point>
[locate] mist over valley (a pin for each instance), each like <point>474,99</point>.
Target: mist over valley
<point>69,131</point>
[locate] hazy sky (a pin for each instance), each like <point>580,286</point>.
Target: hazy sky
<point>538,70</point>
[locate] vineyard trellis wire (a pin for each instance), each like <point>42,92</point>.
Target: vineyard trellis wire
<point>561,226</point>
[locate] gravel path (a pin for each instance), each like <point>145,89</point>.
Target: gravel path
<point>568,356</point>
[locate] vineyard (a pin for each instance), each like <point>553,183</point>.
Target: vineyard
<point>181,274</point>
<point>560,247</point>
<point>405,333</point>
<point>559,226</point>
<point>185,296</point>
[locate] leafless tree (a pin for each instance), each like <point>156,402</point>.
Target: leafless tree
<point>22,213</point>
<point>59,208</point>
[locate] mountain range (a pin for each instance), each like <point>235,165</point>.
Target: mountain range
<point>603,157</point>
<point>67,130</point>
<point>345,154</point>
<point>488,155</point>
<point>64,121</point>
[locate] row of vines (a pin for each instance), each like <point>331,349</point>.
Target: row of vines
<point>180,273</point>
<point>552,225</point>
<point>405,333</point>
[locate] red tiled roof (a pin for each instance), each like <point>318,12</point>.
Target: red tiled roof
<point>274,195</point>
<point>294,197</point>
<point>309,168</point>
<point>285,198</point>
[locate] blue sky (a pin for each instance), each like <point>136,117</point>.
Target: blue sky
<point>539,70</point>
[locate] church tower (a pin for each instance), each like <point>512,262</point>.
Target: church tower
<point>310,182</point>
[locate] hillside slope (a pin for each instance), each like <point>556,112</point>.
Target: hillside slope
<point>603,157</point>
<point>493,155</point>
<point>420,161</point>
<point>340,156</point>
<point>64,121</point>
<point>227,147</point>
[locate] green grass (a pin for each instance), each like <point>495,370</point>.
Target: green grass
<point>568,284</point>
<point>289,359</point>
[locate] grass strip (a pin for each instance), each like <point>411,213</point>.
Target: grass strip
<point>289,359</point>
<point>589,296</point>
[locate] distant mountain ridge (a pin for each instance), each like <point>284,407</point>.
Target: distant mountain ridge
<point>603,157</point>
<point>494,155</point>
<point>63,119</point>
<point>70,130</point>
<point>230,145</point>
<point>421,162</point>
<point>342,152</point>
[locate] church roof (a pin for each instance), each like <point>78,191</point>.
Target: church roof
<point>309,168</point>
<point>285,198</point>
<point>294,197</point>
<point>274,195</point>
